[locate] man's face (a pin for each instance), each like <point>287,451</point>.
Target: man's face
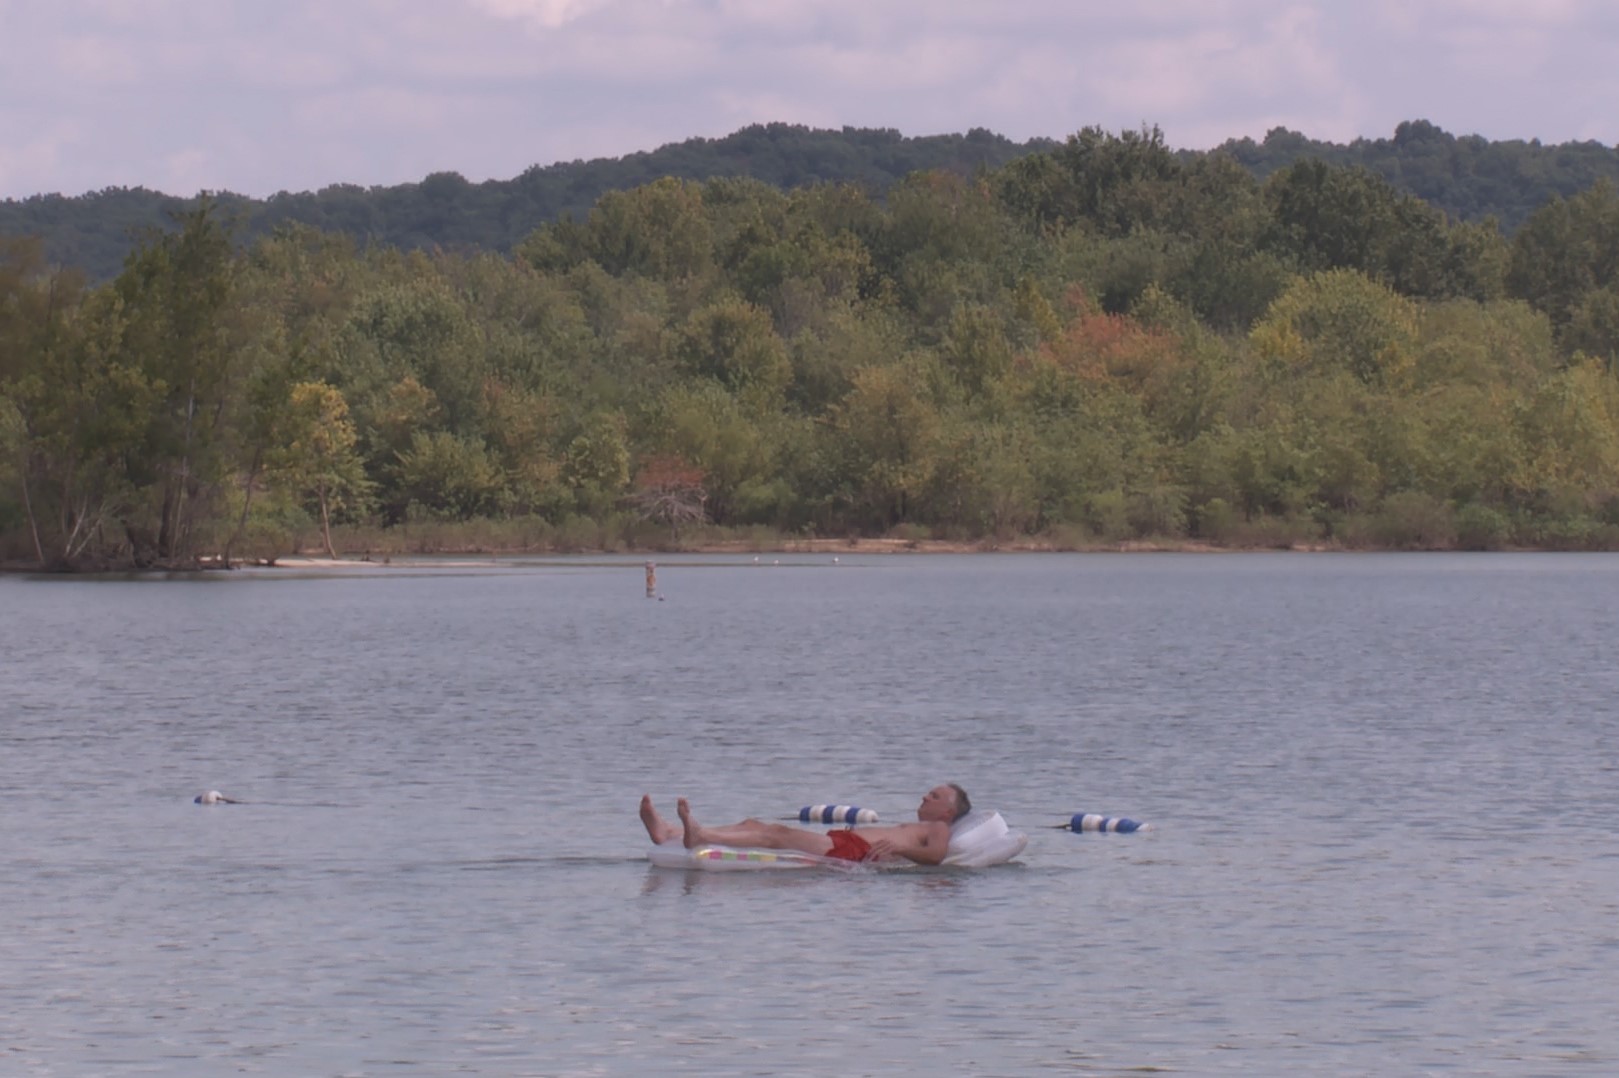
<point>938,804</point>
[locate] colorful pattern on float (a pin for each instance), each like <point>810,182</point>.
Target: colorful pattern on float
<point>752,857</point>
<point>737,859</point>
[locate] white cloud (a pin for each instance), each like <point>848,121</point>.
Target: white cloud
<point>97,61</point>
<point>547,13</point>
<point>1509,13</point>
<point>33,154</point>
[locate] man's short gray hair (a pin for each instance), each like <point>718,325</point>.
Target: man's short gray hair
<point>964,804</point>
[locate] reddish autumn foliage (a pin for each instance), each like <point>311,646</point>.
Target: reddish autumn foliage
<point>668,473</point>
<point>1100,347</point>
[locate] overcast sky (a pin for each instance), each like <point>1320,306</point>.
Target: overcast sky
<point>258,96</point>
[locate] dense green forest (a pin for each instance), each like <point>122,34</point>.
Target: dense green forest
<point>1101,342</point>
<point>95,232</point>
<point>1468,177</point>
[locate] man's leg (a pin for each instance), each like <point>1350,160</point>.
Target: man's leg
<point>755,833</point>
<point>657,828</point>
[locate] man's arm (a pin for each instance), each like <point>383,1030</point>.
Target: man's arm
<point>924,843</point>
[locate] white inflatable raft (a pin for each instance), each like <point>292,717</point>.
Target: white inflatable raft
<point>977,840</point>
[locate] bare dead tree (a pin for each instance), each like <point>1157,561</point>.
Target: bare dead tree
<point>669,491</point>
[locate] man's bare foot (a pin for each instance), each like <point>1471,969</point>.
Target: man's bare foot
<point>694,834</point>
<point>659,829</point>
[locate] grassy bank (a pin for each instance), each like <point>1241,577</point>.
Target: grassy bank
<point>1435,528</point>
<point>532,536</point>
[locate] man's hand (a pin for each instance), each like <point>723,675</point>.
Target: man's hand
<point>883,849</point>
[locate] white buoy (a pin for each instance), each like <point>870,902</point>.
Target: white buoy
<point>846,814</point>
<point>1107,825</point>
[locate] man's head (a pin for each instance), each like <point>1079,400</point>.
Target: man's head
<point>945,803</point>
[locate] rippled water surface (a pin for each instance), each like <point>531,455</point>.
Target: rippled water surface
<point>1386,791</point>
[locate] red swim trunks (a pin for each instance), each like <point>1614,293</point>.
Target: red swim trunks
<point>848,846</point>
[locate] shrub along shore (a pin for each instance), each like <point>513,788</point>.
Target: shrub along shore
<point>487,541</point>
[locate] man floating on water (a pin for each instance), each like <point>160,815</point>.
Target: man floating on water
<point>925,842</point>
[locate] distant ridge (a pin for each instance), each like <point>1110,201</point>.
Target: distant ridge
<point>92,231</point>
<point>1468,177</point>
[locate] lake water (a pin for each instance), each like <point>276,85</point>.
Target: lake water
<point>1386,791</point>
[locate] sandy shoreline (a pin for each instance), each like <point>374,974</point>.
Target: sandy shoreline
<point>482,558</point>
<point>744,548</point>
<point>740,548</point>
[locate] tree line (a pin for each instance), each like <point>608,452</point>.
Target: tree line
<point>1468,177</point>
<point>1094,343</point>
<point>96,231</point>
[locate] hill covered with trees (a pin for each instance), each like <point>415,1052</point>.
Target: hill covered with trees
<point>1467,177</point>
<point>95,231</point>
<point>1095,343</point>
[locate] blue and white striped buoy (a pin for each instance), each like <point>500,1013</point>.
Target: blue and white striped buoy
<point>848,814</point>
<point>1090,821</point>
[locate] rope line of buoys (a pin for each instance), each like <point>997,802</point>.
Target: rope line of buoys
<point>845,814</point>
<point>1091,822</point>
